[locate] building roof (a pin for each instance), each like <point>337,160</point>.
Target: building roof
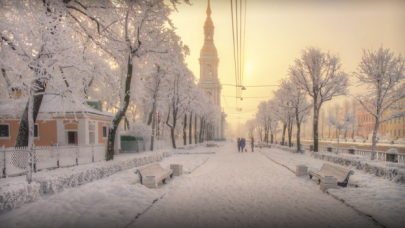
<point>51,104</point>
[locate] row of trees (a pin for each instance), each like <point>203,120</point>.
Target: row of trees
<point>316,78</point>
<point>123,52</point>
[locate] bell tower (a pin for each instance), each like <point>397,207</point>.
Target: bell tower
<point>209,81</point>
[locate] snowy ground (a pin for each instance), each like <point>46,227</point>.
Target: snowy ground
<point>225,189</point>
<point>380,198</point>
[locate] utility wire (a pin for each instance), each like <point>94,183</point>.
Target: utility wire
<point>251,86</point>
<point>234,56</point>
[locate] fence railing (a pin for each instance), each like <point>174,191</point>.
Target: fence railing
<point>380,155</point>
<point>14,160</point>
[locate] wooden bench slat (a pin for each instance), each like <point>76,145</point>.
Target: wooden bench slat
<point>153,169</point>
<point>340,173</point>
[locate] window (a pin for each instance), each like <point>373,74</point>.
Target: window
<point>104,132</point>
<point>36,134</point>
<point>4,130</point>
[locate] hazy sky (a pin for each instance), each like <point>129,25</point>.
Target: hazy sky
<point>277,31</point>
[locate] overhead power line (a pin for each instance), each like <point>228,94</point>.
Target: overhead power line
<point>248,97</point>
<point>251,86</point>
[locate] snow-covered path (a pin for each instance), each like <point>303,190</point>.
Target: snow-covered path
<point>246,190</point>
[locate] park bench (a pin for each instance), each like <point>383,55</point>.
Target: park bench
<point>341,174</point>
<point>212,145</point>
<point>151,174</point>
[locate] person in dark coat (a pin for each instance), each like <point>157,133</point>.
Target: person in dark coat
<point>242,144</point>
<point>252,144</point>
<point>238,145</point>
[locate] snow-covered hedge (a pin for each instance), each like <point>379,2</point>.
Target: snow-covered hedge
<point>291,149</point>
<point>17,194</point>
<point>75,176</point>
<point>388,170</point>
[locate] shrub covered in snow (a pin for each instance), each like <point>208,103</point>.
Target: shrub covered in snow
<point>392,151</point>
<point>392,171</point>
<point>15,195</point>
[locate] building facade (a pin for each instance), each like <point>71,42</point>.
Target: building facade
<point>209,81</point>
<point>58,122</point>
<point>366,122</point>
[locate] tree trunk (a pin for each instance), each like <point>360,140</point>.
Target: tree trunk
<point>121,112</point>
<point>172,136</point>
<point>337,150</point>
<point>152,137</point>
<point>315,129</point>
<point>201,129</point>
<point>30,147</point>
<point>23,130</point>
<point>353,131</point>
<point>190,129</point>
<point>126,125</point>
<point>373,153</point>
<point>195,129</point>
<point>298,130</point>
<point>272,139</point>
<point>185,130</point>
<point>158,126</point>
<point>283,136</point>
<point>289,128</point>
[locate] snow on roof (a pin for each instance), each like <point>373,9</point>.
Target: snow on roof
<point>51,104</point>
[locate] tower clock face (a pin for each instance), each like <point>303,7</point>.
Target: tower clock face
<point>208,94</point>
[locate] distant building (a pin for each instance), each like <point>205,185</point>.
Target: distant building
<point>209,81</point>
<point>396,127</point>
<point>80,123</point>
<point>366,122</point>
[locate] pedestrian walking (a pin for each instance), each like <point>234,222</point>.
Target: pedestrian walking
<point>242,144</point>
<point>238,142</point>
<point>252,143</point>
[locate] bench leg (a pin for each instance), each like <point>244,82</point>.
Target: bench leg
<point>164,181</point>
<point>171,175</point>
<point>310,176</point>
<point>319,181</point>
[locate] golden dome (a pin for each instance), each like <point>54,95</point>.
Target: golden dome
<point>209,22</point>
<point>208,48</point>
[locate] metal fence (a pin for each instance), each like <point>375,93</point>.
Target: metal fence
<point>14,159</point>
<point>380,155</point>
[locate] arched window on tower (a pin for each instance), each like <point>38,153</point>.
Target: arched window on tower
<point>209,71</point>
<point>208,94</point>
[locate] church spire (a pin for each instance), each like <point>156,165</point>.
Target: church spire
<point>208,9</point>
<point>209,47</point>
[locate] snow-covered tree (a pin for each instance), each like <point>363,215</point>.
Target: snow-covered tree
<point>41,54</point>
<point>382,73</point>
<point>297,104</point>
<point>250,125</point>
<point>321,76</point>
<point>346,122</point>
